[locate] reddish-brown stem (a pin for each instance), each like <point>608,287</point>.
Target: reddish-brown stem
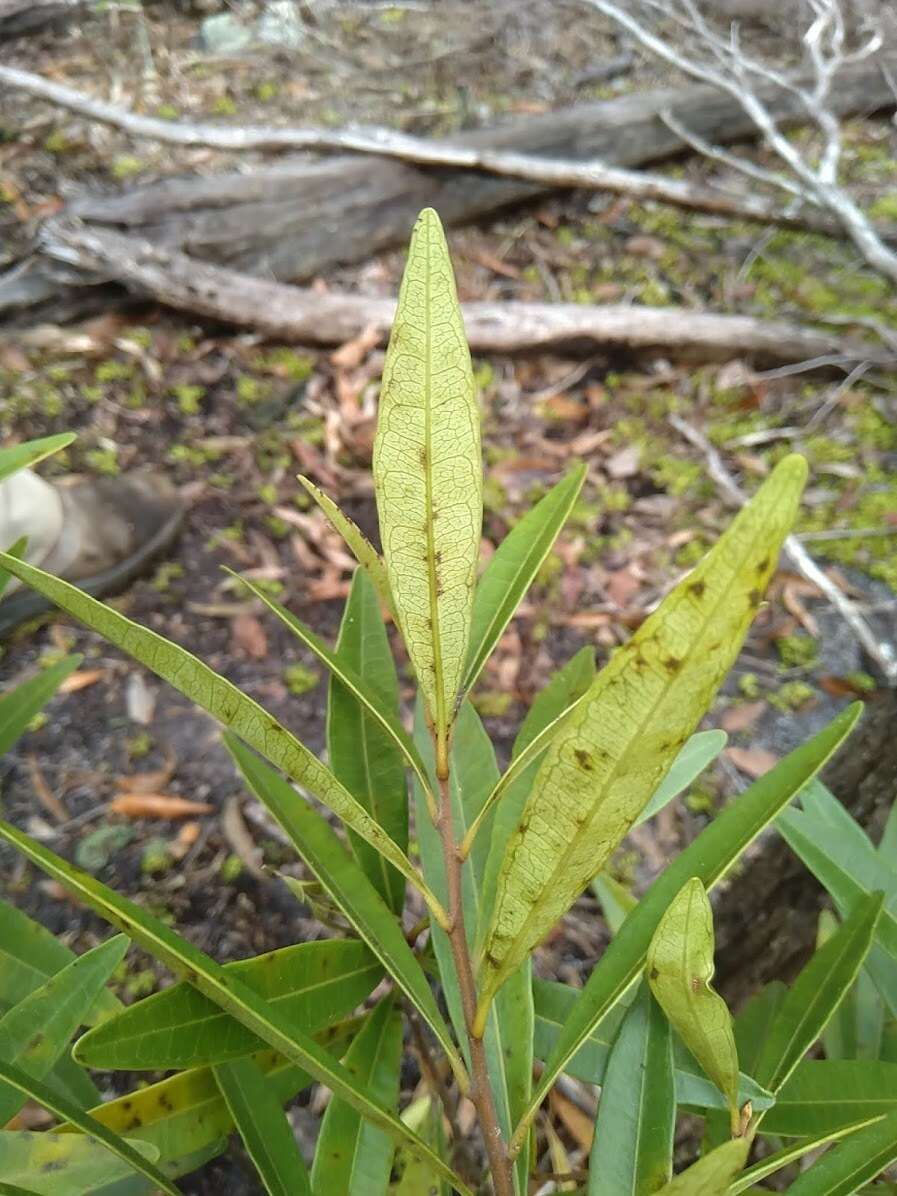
<point>500,1166</point>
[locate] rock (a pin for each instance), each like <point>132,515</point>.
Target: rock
<point>223,34</point>
<point>280,25</point>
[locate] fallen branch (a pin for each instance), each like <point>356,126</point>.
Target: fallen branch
<point>420,151</point>
<point>883,654</point>
<point>296,314</point>
<point>20,18</point>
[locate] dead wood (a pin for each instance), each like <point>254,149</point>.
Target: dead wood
<point>20,18</point>
<point>297,218</point>
<point>421,151</point>
<point>294,314</point>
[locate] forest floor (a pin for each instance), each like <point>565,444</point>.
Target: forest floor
<point>233,419</point>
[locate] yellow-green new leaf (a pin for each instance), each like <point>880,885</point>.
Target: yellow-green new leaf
<point>428,474</point>
<point>601,769</point>
<point>228,704</point>
<point>680,968</point>
<point>711,1175</point>
<point>356,541</point>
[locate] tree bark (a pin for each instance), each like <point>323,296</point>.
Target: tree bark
<point>766,919</point>
<point>298,218</point>
<point>295,314</point>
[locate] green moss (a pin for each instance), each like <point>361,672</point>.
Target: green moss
<point>483,375</point>
<point>691,552</point>
<point>749,685</point>
<point>862,682</point>
<point>792,695</point>
<point>166,573</point>
<point>168,112</point>
<point>126,166</point>
<point>156,858</point>
<point>224,106</point>
<point>103,461</point>
<point>231,869</point>
<point>700,801</point>
<point>287,363</point>
<point>266,91</point>
<point>139,745</point>
<point>884,208</point>
<point>278,528</point>
<point>797,651</point>
<point>251,390</point>
<point>114,371</point>
<point>679,476</point>
<point>188,398</point>
<point>299,680</point>
<point>58,142</point>
<point>495,496</point>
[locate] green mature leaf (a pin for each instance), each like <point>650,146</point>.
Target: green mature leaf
<point>30,954</point>
<point>701,750</point>
<point>428,475</point>
<point>680,968</point>
<point>22,456</point>
<point>9,1190</point>
<point>373,702</point>
<point>710,1175</point>
<point>36,1031</point>
<point>60,1164</point>
<point>632,1153</point>
<point>186,1114</point>
<point>133,1155</point>
<point>353,1157</point>
<point>20,705</point>
<point>510,571</point>
<point>566,686</point>
<point>617,903</point>
<point>363,756</point>
<point>815,995</point>
<point>709,857</point>
<point>342,877</point>
<point>601,770</point>
<point>414,1178</point>
<point>841,1171</point>
<point>313,984</point>
<point>263,1127</point>
<point>214,982</point>
<point>553,1005</point>
<point>16,550</point>
<point>825,1094</point>
<point>848,875</point>
<point>790,1154</point>
<point>509,1028</point>
<point>358,543</point>
<point>223,701</point>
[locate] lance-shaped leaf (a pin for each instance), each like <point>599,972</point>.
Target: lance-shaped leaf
<point>19,706</point>
<point>21,456</point>
<point>135,1156</point>
<point>374,704</point>
<point>851,1163</point>
<point>342,877</point>
<point>699,751</point>
<point>227,703</point>
<point>815,995</point>
<point>632,1153</point>
<point>512,568</point>
<point>353,1157</point>
<point>553,1003</point>
<point>358,543</point>
<point>35,1033</point>
<point>709,857</point>
<point>59,1164</point>
<point>30,954</point>
<point>362,754</point>
<point>16,550</point>
<point>428,474</point>
<point>824,1095</point>
<point>263,1127</point>
<point>856,1028</point>
<point>711,1175</point>
<point>680,968</point>
<point>314,984</point>
<point>790,1154</point>
<point>186,1115</point>
<point>550,705</point>
<point>214,982</point>
<point>600,771</point>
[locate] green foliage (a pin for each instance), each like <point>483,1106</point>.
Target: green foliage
<point>496,859</point>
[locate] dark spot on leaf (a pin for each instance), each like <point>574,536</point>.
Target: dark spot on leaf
<point>672,664</point>
<point>653,974</point>
<point>763,565</point>
<point>584,760</point>
<point>755,598</point>
<point>697,588</point>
